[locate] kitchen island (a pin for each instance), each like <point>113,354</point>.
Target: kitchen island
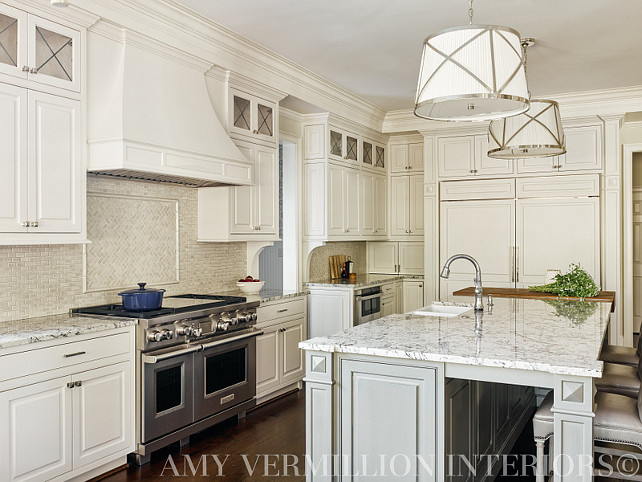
<point>377,398</point>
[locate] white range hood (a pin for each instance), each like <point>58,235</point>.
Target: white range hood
<point>150,116</point>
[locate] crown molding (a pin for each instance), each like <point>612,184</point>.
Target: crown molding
<point>173,24</point>
<point>602,103</point>
<point>290,114</point>
<point>246,84</point>
<point>65,15</point>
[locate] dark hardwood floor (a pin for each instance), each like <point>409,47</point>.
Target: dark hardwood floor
<point>273,433</point>
<point>274,430</point>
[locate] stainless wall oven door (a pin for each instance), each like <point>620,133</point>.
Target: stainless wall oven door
<point>225,373</point>
<point>367,305</point>
<point>168,388</point>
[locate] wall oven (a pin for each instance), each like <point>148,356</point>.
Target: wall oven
<point>367,304</point>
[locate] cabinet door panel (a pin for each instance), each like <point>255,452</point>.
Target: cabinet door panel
<point>369,390</point>
<point>55,154</point>
<point>502,413</point>
<point>381,206</point>
<point>411,258</point>
<point>315,199</point>
<point>583,149</point>
<point>485,428</point>
<point>416,157</point>
<point>36,427</point>
<point>552,233</point>
<point>367,204</point>
<point>537,164</point>
<point>102,413</point>
<point>267,191</point>
<point>413,295</point>
<point>400,209</point>
<point>336,201</point>
<point>314,141</point>
<point>382,257</point>
<point>387,306</point>
<point>242,202</point>
<point>458,426</point>
<point>398,158</point>
<point>416,212</point>
<point>293,365</point>
<point>13,163</point>
<point>486,231</point>
<point>267,360</point>
<point>456,156</point>
<point>13,41</point>
<point>487,165</point>
<point>352,197</point>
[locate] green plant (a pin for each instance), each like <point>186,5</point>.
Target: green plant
<point>576,282</point>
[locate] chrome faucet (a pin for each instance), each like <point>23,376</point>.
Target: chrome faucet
<point>445,273</point>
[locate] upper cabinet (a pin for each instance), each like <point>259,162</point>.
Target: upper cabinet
<point>407,206</point>
<point>407,157</point>
<point>464,156</point>
<point>39,50</point>
<point>253,117</point>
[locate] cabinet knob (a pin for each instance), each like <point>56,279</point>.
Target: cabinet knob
<point>255,131</point>
<point>33,224</point>
<point>25,224</point>
<point>25,68</point>
<point>33,71</point>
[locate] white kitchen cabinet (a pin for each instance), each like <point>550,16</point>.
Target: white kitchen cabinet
<point>413,295</point>
<point>343,201</point>
<point>279,361</point>
<point>396,257</point>
<point>62,416</point>
<point>373,155</point>
<point>551,233</point>
<point>330,310</point>
<point>465,156</point>
<point>388,301</point>
<point>253,117</point>
<point>583,152</point>
<point>407,206</point>
<point>40,50</point>
<point>343,145</point>
<point>255,209</point>
<point>43,183</point>
<point>407,157</point>
<point>373,205</point>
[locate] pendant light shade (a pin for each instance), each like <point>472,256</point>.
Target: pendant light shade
<point>472,73</point>
<point>535,133</point>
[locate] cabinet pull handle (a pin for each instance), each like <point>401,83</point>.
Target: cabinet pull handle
<point>70,385</point>
<point>78,384</point>
<point>512,265</point>
<point>69,355</point>
<point>517,263</point>
<point>282,311</point>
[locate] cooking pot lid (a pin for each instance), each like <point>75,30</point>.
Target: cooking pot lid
<point>142,289</point>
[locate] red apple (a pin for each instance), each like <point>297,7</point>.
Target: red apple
<point>255,280</point>
<point>241,281</point>
<point>249,278</point>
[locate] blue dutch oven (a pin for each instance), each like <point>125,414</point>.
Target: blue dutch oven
<point>142,299</point>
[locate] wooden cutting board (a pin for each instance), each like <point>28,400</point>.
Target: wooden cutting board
<point>336,265</point>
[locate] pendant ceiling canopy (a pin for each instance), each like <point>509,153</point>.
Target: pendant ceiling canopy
<point>535,133</point>
<point>472,73</point>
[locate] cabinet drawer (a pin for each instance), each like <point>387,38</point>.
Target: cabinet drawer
<point>59,356</point>
<point>388,290</point>
<point>559,186</point>
<point>279,310</point>
<point>482,189</point>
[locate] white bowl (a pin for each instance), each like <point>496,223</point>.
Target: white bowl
<point>250,287</point>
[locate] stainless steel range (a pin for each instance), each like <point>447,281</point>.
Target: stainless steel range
<point>196,365</point>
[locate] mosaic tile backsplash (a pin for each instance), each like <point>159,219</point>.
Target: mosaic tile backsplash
<point>320,264</point>
<point>45,280</point>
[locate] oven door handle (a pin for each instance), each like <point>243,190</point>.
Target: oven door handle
<point>172,354</point>
<point>365,298</point>
<point>205,346</point>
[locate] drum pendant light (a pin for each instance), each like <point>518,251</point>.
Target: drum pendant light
<point>472,73</point>
<point>535,133</point>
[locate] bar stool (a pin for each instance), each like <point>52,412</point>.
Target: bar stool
<point>617,420</point>
<point>622,355</point>
<point>619,379</point>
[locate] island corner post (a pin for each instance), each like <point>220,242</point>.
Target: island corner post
<point>371,409</point>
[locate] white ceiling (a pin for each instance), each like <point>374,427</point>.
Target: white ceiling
<point>373,47</point>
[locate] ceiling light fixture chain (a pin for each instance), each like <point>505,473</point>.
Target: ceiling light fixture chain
<point>470,12</point>
<point>527,42</point>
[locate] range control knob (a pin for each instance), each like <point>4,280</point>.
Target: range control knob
<point>243,317</point>
<point>185,330</point>
<point>197,331</point>
<point>254,316</point>
<point>155,336</point>
<point>167,334</point>
<point>222,325</point>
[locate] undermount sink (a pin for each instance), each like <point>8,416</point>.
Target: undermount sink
<point>441,310</point>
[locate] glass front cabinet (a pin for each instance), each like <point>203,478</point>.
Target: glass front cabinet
<point>343,146</point>
<point>252,116</point>
<point>39,50</point>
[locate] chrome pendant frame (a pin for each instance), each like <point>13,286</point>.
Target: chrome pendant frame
<point>498,135</point>
<point>488,87</point>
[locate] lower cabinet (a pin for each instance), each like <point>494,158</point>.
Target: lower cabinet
<point>71,423</point>
<point>482,418</point>
<point>279,361</point>
<point>413,295</point>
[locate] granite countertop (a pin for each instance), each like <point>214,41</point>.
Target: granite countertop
<point>555,336</point>
<point>45,328</point>
<point>362,281</point>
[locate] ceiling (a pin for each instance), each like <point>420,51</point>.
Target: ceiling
<point>373,47</point>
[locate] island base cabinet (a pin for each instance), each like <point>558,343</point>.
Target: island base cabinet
<point>459,430</point>
<point>390,411</point>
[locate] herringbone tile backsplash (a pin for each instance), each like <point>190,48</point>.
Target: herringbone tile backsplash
<point>140,232</point>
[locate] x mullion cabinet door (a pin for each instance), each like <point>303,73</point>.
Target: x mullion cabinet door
<point>13,41</point>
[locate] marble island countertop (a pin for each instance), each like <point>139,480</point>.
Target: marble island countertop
<point>555,336</point>
<point>266,295</point>
<point>45,328</point>
<point>362,281</point>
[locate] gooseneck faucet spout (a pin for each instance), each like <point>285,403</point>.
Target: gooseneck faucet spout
<point>445,273</point>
